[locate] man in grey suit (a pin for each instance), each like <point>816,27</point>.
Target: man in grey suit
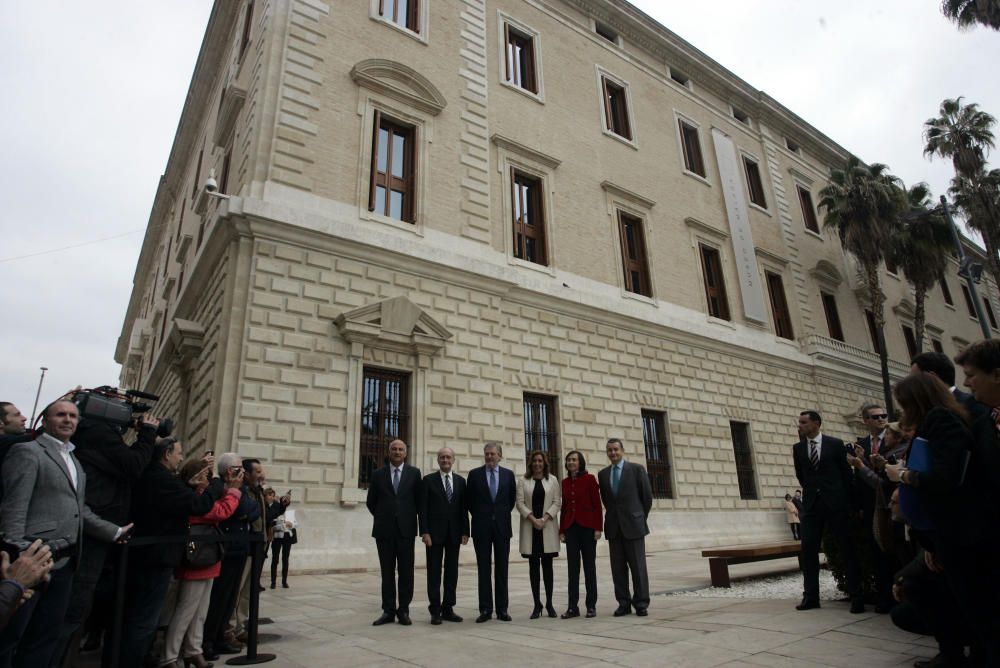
<point>44,488</point>
<point>627,497</point>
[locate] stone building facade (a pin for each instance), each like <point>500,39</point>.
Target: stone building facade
<point>541,222</point>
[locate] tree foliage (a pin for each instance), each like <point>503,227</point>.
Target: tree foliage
<point>969,13</point>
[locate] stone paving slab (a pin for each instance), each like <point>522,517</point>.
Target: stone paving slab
<point>325,621</point>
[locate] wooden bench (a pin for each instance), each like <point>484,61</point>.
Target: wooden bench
<point>719,558</point>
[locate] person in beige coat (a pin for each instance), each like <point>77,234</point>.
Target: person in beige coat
<point>539,496</point>
<point>793,516</point>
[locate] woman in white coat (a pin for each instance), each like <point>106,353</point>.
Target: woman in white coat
<point>539,496</point>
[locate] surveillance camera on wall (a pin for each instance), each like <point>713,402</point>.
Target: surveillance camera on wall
<point>212,186</point>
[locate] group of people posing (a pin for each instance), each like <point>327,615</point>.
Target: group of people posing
<point>924,489</point>
<point>438,507</point>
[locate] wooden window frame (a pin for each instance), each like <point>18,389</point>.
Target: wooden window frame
<point>407,183</point>
<point>779,306</point>
<point>658,461</point>
<point>617,119</point>
<point>526,76</point>
<point>809,218</point>
<point>411,21</point>
<point>832,313</point>
<point>527,194</point>
<point>375,445</point>
<point>635,269</point>
<point>969,303</point>
<point>694,158</point>
<point>936,346</point>
<point>755,182</point>
<point>538,436</point>
<point>873,331</point>
<point>911,340</point>
<point>990,315</point>
<point>247,30</point>
<point>746,476</point>
<point>946,292</point>
<point>712,274</point>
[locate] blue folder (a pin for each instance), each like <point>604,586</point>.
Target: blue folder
<point>910,503</point>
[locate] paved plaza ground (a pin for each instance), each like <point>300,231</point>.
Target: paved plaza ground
<point>325,620</point>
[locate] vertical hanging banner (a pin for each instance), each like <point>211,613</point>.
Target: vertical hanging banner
<point>733,191</point>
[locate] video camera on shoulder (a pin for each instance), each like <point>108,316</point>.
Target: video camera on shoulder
<point>119,409</point>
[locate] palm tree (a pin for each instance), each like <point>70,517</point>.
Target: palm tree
<point>964,134</point>
<point>918,249</point>
<point>862,204</point>
<point>967,13</point>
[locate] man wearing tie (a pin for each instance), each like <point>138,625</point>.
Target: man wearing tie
<point>822,469</point>
<point>627,497</point>
<point>392,501</point>
<point>444,527</point>
<point>492,493</point>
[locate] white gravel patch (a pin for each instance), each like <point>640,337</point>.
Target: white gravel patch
<point>778,587</point>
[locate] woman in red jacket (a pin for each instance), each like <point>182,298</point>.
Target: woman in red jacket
<point>580,524</point>
<point>194,585</point>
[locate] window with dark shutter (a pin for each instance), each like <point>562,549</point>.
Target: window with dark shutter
<point>634,260</point>
<point>779,306</point>
<point>911,341</point>
<point>743,453</point>
<point>873,331</point>
<point>393,170</point>
<point>616,109</point>
<point>693,161</point>
<point>808,210</point>
<point>520,66</point>
<point>385,417</point>
<point>832,316</point>
<point>529,218</point>
<point>401,12</point>
<point>946,293</point>
<point>715,286</point>
<point>754,183</point>
<point>656,440</point>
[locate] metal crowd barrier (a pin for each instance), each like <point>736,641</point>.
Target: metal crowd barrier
<point>256,563</point>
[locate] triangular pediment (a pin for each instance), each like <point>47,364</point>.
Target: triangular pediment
<point>393,324</point>
<point>401,82</point>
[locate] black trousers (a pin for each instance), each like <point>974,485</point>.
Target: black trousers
<point>88,574</point>
<point>974,580</point>
<point>395,556</point>
<point>448,553</point>
<point>796,534</point>
<point>280,547</point>
<point>540,567</point>
<point>497,547</point>
<point>222,603</point>
<point>629,556</point>
<point>29,640</point>
<point>931,609</point>
<point>814,520</point>
<point>580,543</point>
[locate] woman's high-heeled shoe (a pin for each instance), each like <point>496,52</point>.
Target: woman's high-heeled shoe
<point>537,612</point>
<point>552,611</point>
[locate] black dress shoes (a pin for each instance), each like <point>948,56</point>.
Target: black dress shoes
<point>623,610</point>
<point>503,616</point>
<point>857,605</point>
<point>571,613</point>
<point>386,618</point>
<point>450,616</point>
<point>436,620</point>
<point>483,617</point>
<point>535,613</point>
<point>641,612</point>
<point>209,653</point>
<point>228,648</point>
<point>404,618</point>
<point>591,612</point>
<point>807,604</point>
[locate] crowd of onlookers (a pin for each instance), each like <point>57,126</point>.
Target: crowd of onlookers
<point>74,493</point>
<point>923,489</point>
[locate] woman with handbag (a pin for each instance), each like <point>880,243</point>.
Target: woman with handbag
<point>284,537</point>
<point>195,575</point>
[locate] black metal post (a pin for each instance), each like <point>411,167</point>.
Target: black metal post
<point>964,270</point>
<point>252,657</point>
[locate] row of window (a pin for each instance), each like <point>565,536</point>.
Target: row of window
<point>385,417</point>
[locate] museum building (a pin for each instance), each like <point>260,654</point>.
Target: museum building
<point>539,222</point>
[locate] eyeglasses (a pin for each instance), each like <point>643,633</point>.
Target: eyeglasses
<point>879,416</point>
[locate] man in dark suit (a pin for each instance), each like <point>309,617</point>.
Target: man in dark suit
<point>392,501</point>
<point>444,528</point>
<point>44,492</point>
<point>627,497</point>
<point>822,469</point>
<point>876,419</point>
<point>938,364</point>
<point>492,493</point>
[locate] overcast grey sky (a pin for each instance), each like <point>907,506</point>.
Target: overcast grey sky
<point>92,93</point>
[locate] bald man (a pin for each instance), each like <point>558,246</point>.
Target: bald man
<point>392,501</point>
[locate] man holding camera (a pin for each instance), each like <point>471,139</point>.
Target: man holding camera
<point>45,488</point>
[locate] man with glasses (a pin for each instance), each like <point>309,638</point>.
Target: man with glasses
<point>876,419</point>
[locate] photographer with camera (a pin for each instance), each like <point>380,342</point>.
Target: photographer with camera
<point>12,431</point>
<point>30,568</point>
<point>161,505</point>
<point>45,488</point>
<point>112,468</point>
